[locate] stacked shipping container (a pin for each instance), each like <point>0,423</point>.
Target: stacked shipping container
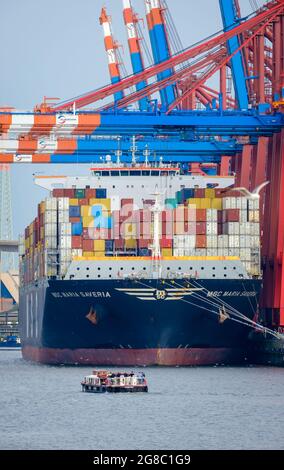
<point>86,223</point>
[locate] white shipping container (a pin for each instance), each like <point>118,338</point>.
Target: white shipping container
<point>77,253</point>
<point>63,203</point>
<point>115,203</point>
<point>212,241</point>
<point>50,217</point>
<point>234,252</point>
<point>200,252</point>
<point>223,252</point>
<point>189,241</point>
<point>234,241</point>
<point>178,241</point>
<point>64,229</point>
<point>211,215</point>
<point>65,242</point>
<point>50,242</point>
<point>254,228</point>
<point>51,204</point>
<point>229,203</point>
<point>211,228</point>
<point>231,228</point>
<point>245,228</point>
<point>253,204</point>
<point>211,252</point>
<point>65,255</point>
<point>245,254</point>
<point>50,230</point>
<point>63,217</point>
<point>243,215</point>
<point>255,241</point>
<point>178,252</point>
<point>223,241</point>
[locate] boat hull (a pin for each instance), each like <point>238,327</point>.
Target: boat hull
<point>127,323</point>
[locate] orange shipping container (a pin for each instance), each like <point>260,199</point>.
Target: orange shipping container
<point>201,241</point>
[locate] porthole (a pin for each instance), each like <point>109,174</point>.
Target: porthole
<point>202,269</point>
<point>110,269</point>
<point>113,186</point>
<point>214,268</point>
<point>121,269</point>
<point>99,275</point>
<point>87,275</point>
<point>191,268</point>
<point>225,268</point>
<point>234,268</point>
<point>144,269</point>
<point>99,269</point>
<point>168,268</point>
<point>179,269</point>
<point>133,269</point>
<point>88,269</point>
<point>225,275</point>
<point>78,269</point>
<point>110,275</point>
<point>213,275</point>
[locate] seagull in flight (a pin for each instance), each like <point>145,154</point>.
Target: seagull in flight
<point>251,195</point>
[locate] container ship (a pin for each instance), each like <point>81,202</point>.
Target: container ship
<point>169,274</point>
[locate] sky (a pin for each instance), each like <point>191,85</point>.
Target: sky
<point>55,48</point>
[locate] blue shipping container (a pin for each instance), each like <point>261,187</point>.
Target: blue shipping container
<point>77,228</point>
<point>74,211</point>
<point>101,193</point>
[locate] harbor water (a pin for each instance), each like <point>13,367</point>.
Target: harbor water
<point>42,407</point>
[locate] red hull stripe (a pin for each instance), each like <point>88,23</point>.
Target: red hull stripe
<point>134,357</point>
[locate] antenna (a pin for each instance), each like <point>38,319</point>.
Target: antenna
<point>118,152</point>
<point>146,154</point>
<point>134,150</point>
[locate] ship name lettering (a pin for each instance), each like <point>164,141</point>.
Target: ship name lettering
<point>95,294</point>
<point>215,293</point>
<point>231,294</point>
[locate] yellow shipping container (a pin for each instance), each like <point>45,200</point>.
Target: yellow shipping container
<point>129,230</point>
<point>73,202</point>
<point>167,252</point>
<point>205,203</point>
<point>42,207</point>
<point>195,202</point>
<point>210,193</point>
<point>99,245</point>
<point>99,254</point>
<point>86,211</point>
<point>41,233</point>
<point>216,203</point>
<point>88,254</point>
<point>105,203</point>
<point>88,222</point>
<point>130,243</point>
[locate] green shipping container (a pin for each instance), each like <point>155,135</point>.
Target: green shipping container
<point>80,193</point>
<point>171,203</point>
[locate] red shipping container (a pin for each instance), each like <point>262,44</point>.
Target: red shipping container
<point>77,242</point>
<point>201,241</point>
<point>69,193</point>
<point>231,215</point>
<point>87,233</point>
<point>90,193</point>
<point>190,214</point>
<point>200,215</point>
<point>119,244</point>
<point>179,214</point>
<point>75,220</point>
<point>144,243</point>
<point>145,215</point>
<point>201,228</point>
<point>58,192</point>
<point>88,245</point>
<point>199,193</point>
<point>166,243</point>
<point>220,192</point>
<point>83,202</point>
<point>126,202</point>
<point>167,228</point>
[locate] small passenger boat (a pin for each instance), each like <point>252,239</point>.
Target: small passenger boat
<point>114,382</point>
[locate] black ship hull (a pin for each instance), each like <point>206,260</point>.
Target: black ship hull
<point>137,322</point>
